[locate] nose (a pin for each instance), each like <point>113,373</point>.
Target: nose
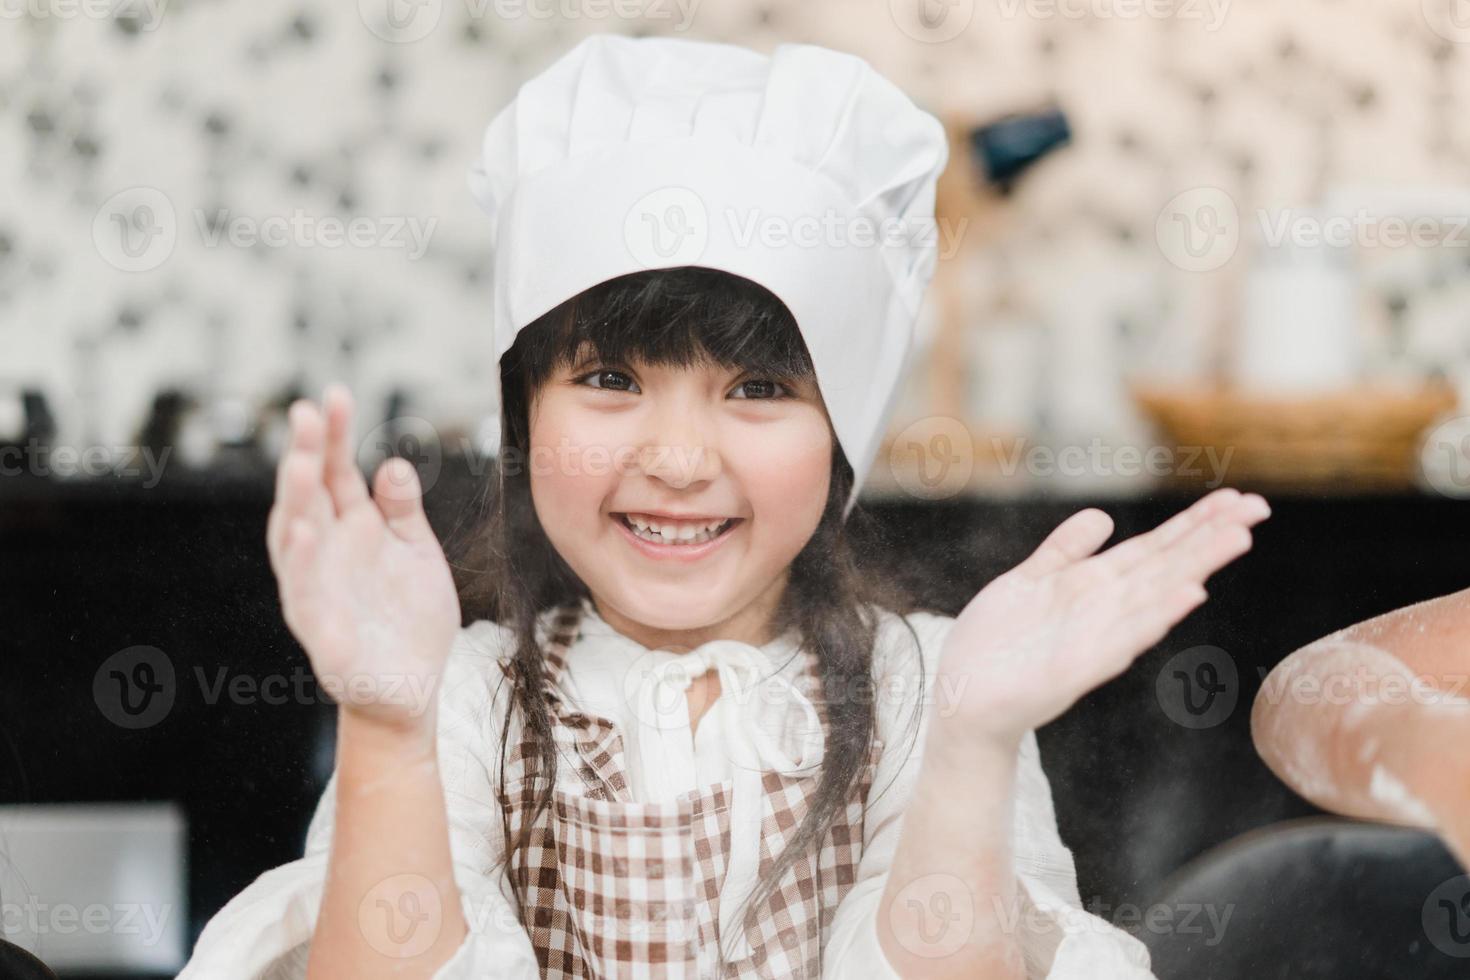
<point>680,448</point>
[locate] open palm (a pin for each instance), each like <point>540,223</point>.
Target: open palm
<point>1039,637</point>
<point>363,581</point>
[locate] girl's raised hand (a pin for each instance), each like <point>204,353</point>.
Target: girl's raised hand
<point>363,582</point>
<point>1039,637</point>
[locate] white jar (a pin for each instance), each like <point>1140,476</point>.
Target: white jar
<point>1299,328</point>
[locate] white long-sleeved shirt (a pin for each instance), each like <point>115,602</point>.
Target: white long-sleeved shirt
<point>263,933</point>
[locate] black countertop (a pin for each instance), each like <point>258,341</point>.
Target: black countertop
<point>94,566</point>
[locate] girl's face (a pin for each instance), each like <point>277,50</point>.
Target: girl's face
<point>732,469</point>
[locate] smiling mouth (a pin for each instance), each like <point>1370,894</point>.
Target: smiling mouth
<point>674,534</point>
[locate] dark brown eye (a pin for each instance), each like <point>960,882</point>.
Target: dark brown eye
<point>762,389</point>
<point>609,380</point>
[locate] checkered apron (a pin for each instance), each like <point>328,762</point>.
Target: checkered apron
<point>610,887</point>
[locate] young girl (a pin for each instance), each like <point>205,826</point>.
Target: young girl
<point>681,735</point>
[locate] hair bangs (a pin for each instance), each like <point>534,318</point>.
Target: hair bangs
<point>682,318</point>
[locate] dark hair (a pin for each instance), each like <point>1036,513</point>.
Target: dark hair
<point>509,572</point>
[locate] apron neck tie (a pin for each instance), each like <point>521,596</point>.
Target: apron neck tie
<point>755,712</point>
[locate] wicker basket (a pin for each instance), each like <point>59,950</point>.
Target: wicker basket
<point>1358,439</point>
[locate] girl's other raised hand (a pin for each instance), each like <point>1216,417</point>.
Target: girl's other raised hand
<point>1065,620</point>
<point>363,581</point>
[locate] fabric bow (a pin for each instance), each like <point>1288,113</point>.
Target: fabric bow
<point>755,707</point>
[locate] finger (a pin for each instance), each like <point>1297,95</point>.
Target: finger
<point>1073,540</point>
<point>276,521</point>
<point>273,536</point>
<point>1126,636</point>
<point>300,546</point>
<point>1129,553</point>
<point>344,480</point>
<point>298,415</point>
<point>1134,633</point>
<point>299,489</point>
<point>1135,550</point>
<point>299,474</point>
<point>1212,548</point>
<point>1201,553</point>
<point>399,497</point>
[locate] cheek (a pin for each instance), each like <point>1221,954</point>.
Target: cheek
<point>786,473</point>
<point>570,469</point>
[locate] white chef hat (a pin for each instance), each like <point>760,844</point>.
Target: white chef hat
<point>805,171</point>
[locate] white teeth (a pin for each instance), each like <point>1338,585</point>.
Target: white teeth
<point>675,533</point>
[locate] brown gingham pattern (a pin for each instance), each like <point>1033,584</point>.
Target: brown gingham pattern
<point>615,888</point>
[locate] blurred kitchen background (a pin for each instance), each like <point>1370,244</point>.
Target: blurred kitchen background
<point>1183,244</point>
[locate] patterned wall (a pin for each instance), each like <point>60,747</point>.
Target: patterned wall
<point>175,172</point>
